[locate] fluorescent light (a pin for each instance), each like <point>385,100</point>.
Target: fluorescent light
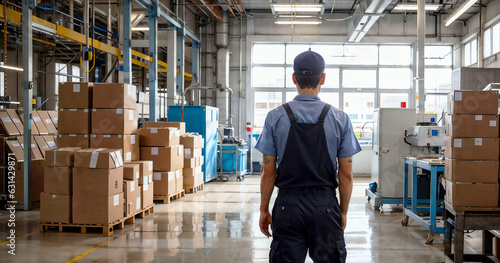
<point>11,68</point>
<point>414,7</point>
<point>296,16</point>
<point>458,12</point>
<point>296,8</point>
<point>140,28</point>
<point>284,22</point>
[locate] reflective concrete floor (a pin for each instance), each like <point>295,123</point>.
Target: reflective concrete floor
<point>220,224</point>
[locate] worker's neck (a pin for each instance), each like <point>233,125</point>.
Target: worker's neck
<point>309,91</point>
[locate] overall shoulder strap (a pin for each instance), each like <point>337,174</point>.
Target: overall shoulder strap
<point>323,114</point>
<point>289,112</point>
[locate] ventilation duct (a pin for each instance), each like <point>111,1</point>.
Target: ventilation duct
<point>364,17</point>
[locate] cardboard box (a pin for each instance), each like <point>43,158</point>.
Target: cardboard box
<point>472,126</point>
<point>191,162</point>
<point>192,153</point>
<point>61,157</point>
<point>16,119</point>
<point>473,102</point>
<point>129,144</point>
<point>192,176</point>
<point>114,121</point>
<point>75,95</point>
<point>54,117</point>
<point>74,121</point>
<point>34,129</point>
<point>192,141</point>
<point>145,169</point>
<point>58,180</point>
<point>73,140</point>
<point>475,195</point>
<point>472,148</point>
<point>159,136</point>
<point>37,120</point>
<point>37,181</point>
<point>99,182</point>
<point>114,95</point>
<point>99,210</point>
<point>131,191</point>
<point>99,158</point>
<point>164,183</point>
<point>181,126</point>
<point>13,146</point>
<point>55,208</point>
<point>51,141</point>
<point>44,115</point>
<point>179,182</point>
<point>8,126</point>
<point>35,152</point>
<point>131,171</point>
<point>42,144</point>
<point>468,171</point>
<point>147,195</point>
<point>164,158</point>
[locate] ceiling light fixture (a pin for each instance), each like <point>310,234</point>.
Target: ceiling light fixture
<point>296,8</point>
<point>11,68</point>
<point>284,22</point>
<point>459,11</point>
<point>414,7</point>
<point>296,16</point>
<point>140,28</point>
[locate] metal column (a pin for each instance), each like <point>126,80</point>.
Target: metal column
<point>181,32</point>
<point>420,55</point>
<point>28,5</point>
<point>153,66</point>
<point>195,63</point>
<point>127,42</point>
<point>171,62</point>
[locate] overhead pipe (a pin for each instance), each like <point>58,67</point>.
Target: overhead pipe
<point>206,89</point>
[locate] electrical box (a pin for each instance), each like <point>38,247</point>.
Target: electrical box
<point>424,136</point>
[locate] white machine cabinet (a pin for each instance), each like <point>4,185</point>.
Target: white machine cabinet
<point>388,151</point>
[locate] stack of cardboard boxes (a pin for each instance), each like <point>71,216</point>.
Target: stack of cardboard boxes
<point>143,171</point>
<point>114,119</point>
<point>193,160</point>
<point>472,149</point>
<point>75,103</point>
<point>98,186</point>
<point>161,144</point>
<point>56,200</point>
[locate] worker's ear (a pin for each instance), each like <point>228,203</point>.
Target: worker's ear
<point>323,78</point>
<point>294,79</point>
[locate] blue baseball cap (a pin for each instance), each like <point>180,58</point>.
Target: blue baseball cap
<point>308,63</point>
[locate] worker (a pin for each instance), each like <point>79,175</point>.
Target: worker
<point>304,138</point>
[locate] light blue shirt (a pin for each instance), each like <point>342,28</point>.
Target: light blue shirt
<point>340,138</point>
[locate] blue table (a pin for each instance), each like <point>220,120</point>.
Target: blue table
<point>411,208</point>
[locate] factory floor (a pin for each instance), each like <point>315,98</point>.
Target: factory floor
<point>220,224</point>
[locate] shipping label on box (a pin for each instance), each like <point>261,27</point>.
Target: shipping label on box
<point>473,102</point>
<point>99,158</point>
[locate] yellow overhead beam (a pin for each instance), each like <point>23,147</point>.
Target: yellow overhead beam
<point>16,17</point>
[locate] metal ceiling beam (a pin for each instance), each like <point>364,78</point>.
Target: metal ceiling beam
<point>213,8</point>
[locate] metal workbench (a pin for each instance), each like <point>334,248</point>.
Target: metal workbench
<point>414,206</point>
<point>475,218</point>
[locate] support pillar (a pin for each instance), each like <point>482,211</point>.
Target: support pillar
<point>28,6</point>
<point>180,60</point>
<point>420,56</point>
<point>171,68</point>
<point>153,67</point>
<point>127,42</point>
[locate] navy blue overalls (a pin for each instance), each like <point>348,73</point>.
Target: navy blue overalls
<point>306,214</point>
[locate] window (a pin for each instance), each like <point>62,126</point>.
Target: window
<point>395,55</point>
<point>265,102</point>
<point>359,107</point>
<point>360,78</point>
<point>438,55</point>
<point>435,104</point>
<point>392,100</point>
<point>496,39</point>
<point>268,77</point>
<point>269,54</point>
<point>470,52</point>
<point>395,78</point>
<point>437,79</point>
<point>75,71</point>
<point>487,43</point>
<point>63,69</point>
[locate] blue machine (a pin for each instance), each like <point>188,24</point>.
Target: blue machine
<point>232,163</point>
<point>205,121</point>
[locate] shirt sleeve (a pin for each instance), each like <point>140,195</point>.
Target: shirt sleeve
<point>266,144</point>
<point>349,144</point>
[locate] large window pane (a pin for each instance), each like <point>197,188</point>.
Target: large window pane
<point>268,77</point>
<point>331,98</point>
<point>438,55</point>
<point>331,81</point>
<point>473,51</point>
<point>268,54</point>
<point>496,38</point>
<point>395,78</point>
<point>75,71</point>
<point>359,78</point>
<point>359,107</point>
<point>467,55</point>
<point>292,50</point>
<point>263,103</point>
<point>392,100</point>
<point>395,55</point>
<point>330,53</point>
<point>357,54</point>
<point>487,42</point>
<point>437,80</point>
<point>435,104</point>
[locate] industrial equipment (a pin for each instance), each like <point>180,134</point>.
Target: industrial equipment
<point>426,136</point>
<point>205,121</point>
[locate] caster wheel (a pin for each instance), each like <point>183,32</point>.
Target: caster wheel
<point>430,239</point>
<point>404,221</point>
<point>369,198</point>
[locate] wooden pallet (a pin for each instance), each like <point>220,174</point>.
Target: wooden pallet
<point>167,198</point>
<point>193,189</point>
<point>106,230</point>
